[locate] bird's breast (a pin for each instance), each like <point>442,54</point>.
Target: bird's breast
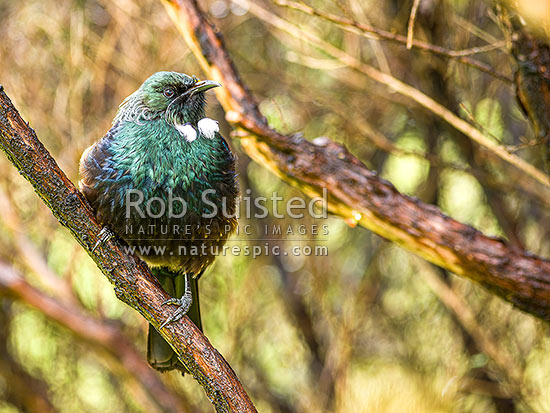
<point>160,190</point>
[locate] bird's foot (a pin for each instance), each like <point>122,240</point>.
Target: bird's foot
<point>104,235</point>
<point>184,304</point>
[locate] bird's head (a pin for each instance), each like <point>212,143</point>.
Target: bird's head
<point>177,97</point>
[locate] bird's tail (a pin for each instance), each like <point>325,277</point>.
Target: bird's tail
<point>159,353</point>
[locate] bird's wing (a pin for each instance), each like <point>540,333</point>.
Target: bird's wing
<point>94,166</point>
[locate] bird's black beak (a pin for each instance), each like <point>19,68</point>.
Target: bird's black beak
<point>201,86</point>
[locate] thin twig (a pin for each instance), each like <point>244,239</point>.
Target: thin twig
<point>375,45</point>
<point>410,27</point>
<point>480,49</point>
<point>474,121</point>
<point>527,144</point>
<point>475,30</point>
<point>509,148</point>
<point>461,56</point>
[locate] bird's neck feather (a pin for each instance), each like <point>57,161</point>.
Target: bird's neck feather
<point>135,109</point>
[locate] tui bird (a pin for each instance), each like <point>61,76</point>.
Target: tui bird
<point>163,179</point>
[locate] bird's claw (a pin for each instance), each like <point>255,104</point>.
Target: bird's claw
<point>184,304</point>
<point>104,235</point>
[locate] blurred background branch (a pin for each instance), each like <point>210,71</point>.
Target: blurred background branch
<point>373,32</point>
<point>104,337</point>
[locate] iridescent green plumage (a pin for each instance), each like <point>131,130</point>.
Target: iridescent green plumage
<point>161,147</point>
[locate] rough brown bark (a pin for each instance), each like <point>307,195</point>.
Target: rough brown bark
<point>133,282</point>
<point>358,193</point>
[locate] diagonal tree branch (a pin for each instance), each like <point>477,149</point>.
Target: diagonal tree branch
<point>133,282</point>
<point>358,193</point>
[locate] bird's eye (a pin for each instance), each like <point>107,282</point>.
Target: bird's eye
<point>168,92</point>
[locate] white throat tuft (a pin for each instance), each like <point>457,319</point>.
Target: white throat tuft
<point>208,127</point>
<point>187,131</point>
